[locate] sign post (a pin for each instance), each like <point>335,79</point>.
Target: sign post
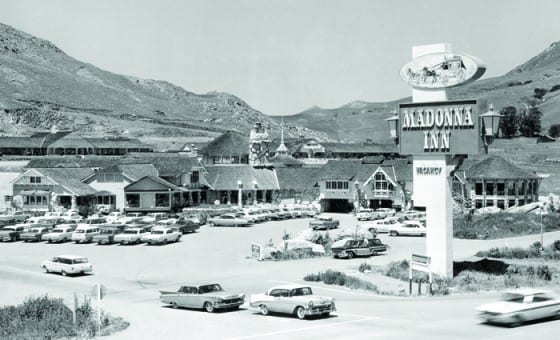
<point>256,251</point>
<point>421,263</point>
<point>99,291</point>
<point>433,129</point>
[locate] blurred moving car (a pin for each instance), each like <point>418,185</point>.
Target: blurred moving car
<point>12,233</point>
<point>228,220</point>
<point>208,297</point>
<point>131,235</point>
<point>324,222</point>
<point>519,306</point>
<point>60,233</point>
<point>161,235</point>
<point>67,265</point>
<point>409,229</point>
<point>351,247</point>
<point>293,299</point>
<point>34,234</point>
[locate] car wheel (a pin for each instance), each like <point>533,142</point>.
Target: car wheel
<point>327,314</point>
<point>64,273</point>
<point>212,224</point>
<point>263,309</point>
<point>517,321</point>
<point>350,255</point>
<point>174,305</point>
<point>46,269</point>
<point>164,242</point>
<point>374,253</point>
<point>49,241</point>
<point>178,238</point>
<point>300,313</point>
<point>209,307</point>
<point>122,243</point>
<point>393,233</point>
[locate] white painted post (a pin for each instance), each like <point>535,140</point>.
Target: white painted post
<point>98,309</point>
<point>434,192</point>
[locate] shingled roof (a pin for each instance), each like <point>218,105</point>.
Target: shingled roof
<point>226,177</point>
<point>298,178</point>
<point>496,167</point>
<point>229,143</point>
<point>71,179</point>
<point>167,164</point>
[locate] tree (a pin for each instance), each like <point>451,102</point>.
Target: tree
<point>530,123</point>
<point>509,123</point>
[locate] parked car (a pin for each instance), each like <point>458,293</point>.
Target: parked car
<point>384,225</point>
<point>409,228</point>
<point>351,247</point>
<point>13,217</point>
<point>364,214</point>
<point>519,306</point>
<point>84,233</point>
<point>293,299</point>
<point>383,213</point>
<point>51,222</point>
<point>60,233</point>
<point>34,234</point>
<point>228,220</point>
<point>154,217</point>
<point>198,219</point>
<point>67,265</point>
<point>184,225</point>
<point>72,216</point>
<point>161,235</point>
<point>324,222</point>
<point>131,235</point>
<point>106,234</point>
<point>209,297</point>
<point>131,217</point>
<point>12,233</point>
<point>114,216</point>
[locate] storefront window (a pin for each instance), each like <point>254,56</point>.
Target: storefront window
<point>478,188</point>
<point>162,200</point>
<point>133,200</point>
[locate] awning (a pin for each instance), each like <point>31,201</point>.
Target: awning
<point>34,193</point>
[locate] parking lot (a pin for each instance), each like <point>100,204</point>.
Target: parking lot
<point>134,275</point>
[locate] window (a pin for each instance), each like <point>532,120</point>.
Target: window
<point>162,200</point>
<point>489,188</point>
<point>381,183</point>
<point>478,188</point>
<point>511,188</point>
<point>195,177</point>
<point>109,178</point>
<point>336,185</point>
<point>501,189</point>
<point>478,204</point>
<point>8,198</point>
<point>34,179</point>
<point>133,200</point>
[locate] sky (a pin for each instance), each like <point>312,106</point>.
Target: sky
<point>284,56</point>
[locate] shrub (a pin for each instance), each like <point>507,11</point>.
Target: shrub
<point>544,272</point>
<point>539,93</point>
<point>331,277</point>
<point>364,266</point>
<point>514,83</point>
<point>555,88</point>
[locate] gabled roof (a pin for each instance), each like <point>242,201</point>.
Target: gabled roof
<point>496,167</point>
<point>151,183</point>
<point>20,142</point>
<point>48,138</point>
<point>167,164</point>
<point>229,143</point>
<point>226,177</point>
<point>298,178</point>
<point>70,179</point>
<point>132,171</point>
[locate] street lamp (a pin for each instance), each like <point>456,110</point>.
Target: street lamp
<point>239,194</point>
<point>490,124</point>
<point>393,123</point>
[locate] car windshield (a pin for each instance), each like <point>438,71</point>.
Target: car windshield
<point>80,260</point>
<point>210,288</point>
<point>157,232</point>
<point>130,232</point>
<point>57,231</point>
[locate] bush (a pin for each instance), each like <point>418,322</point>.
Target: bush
<point>364,266</point>
<point>555,88</point>
<point>539,93</point>
<point>331,277</point>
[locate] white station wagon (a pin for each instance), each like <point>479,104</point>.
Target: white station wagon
<point>67,264</point>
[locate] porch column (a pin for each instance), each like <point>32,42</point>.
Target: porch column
<point>495,193</point>
<point>228,197</point>
<point>74,202</point>
<point>264,192</point>
<point>483,193</point>
<point>525,188</point>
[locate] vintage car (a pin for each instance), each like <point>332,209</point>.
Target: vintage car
<point>208,297</point>
<point>409,229</point>
<point>131,235</point>
<point>34,234</point>
<point>72,216</point>
<point>246,215</point>
<point>131,217</point>
<point>84,233</point>
<point>67,265</point>
<point>61,233</point>
<point>183,224</point>
<point>324,222</point>
<point>228,220</point>
<point>351,247</point>
<point>107,234</point>
<point>161,235</point>
<point>12,233</point>
<point>364,214</point>
<point>293,299</point>
<point>154,217</point>
<point>519,306</point>
<point>383,226</point>
<point>383,213</point>
<point>113,216</point>
<point>13,217</point>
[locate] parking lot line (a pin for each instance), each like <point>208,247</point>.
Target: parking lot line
<point>288,331</point>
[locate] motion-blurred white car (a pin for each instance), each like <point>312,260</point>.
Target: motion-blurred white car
<point>519,306</point>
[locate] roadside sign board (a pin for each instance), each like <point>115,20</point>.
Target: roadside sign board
<point>256,251</point>
<point>420,263</point>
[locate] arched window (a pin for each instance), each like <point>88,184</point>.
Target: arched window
<point>380,183</point>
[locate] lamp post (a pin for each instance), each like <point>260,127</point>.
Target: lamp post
<point>239,194</point>
<point>490,125</point>
<point>357,187</point>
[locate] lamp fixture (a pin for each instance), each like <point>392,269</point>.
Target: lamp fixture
<point>490,125</point>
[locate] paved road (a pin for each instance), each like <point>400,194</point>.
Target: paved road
<point>134,274</point>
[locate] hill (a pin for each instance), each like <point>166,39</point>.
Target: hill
<point>41,86</point>
<point>360,120</point>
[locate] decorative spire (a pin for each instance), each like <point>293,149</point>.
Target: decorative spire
<point>282,149</point>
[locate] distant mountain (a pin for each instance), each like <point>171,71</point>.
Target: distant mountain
<point>41,86</point>
<point>359,120</point>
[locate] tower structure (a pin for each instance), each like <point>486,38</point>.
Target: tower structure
<point>258,145</point>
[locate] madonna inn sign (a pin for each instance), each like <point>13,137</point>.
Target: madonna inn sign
<point>449,127</point>
<point>441,70</point>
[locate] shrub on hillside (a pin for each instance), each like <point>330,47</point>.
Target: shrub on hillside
<point>333,277</point>
<point>364,266</point>
<point>555,88</point>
